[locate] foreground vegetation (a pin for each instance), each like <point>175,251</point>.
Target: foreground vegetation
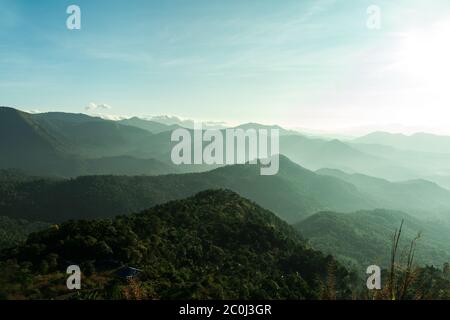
<point>215,245</point>
<point>15,231</point>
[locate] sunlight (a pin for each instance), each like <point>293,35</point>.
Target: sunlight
<point>425,54</point>
<point>422,62</point>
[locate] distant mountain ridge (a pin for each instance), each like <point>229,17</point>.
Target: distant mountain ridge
<point>186,123</point>
<point>69,145</point>
<point>421,141</point>
<point>418,197</point>
<point>76,144</point>
<point>149,125</point>
<point>293,194</point>
<point>257,126</point>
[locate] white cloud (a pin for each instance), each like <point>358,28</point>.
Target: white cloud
<point>112,117</point>
<point>95,106</point>
<point>34,111</point>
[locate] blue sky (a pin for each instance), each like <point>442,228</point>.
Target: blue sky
<point>310,63</point>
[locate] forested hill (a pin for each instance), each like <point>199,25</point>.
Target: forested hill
<point>64,144</point>
<point>292,194</point>
<point>365,237</point>
<point>15,231</point>
<point>213,245</point>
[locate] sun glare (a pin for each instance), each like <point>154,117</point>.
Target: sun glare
<point>425,53</point>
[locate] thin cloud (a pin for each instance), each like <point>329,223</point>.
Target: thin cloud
<point>94,106</point>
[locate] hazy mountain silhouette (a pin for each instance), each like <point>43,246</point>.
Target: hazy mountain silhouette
<point>363,238</point>
<point>424,142</point>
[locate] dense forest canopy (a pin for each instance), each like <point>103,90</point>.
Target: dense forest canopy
<point>213,245</point>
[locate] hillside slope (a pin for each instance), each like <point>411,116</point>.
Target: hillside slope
<point>69,145</point>
<point>215,245</point>
<point>364,238</point>
<point>420,198</point>
<point>292,194</point>
<point>16,231</point>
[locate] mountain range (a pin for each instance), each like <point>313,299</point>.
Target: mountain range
<point>70,145</point>
<point>60,166</point>
<point>293,194</point>
<point>422,142</point>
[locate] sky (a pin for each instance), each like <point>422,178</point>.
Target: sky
<point>300,64</point>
